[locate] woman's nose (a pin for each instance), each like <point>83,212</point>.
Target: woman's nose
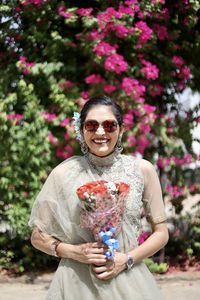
<point>100,130</point>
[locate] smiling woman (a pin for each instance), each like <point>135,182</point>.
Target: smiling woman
<point>101,130</point>
<point>85,272</point>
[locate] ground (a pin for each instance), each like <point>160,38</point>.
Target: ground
<point>177,285</point>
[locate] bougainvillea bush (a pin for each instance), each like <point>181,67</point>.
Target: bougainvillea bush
<point>54,55</point>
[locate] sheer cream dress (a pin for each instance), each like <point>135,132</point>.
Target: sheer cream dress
<point>56,211</point>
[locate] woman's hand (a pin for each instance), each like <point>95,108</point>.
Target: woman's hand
<point>112,267</point>
<point>89,253</point>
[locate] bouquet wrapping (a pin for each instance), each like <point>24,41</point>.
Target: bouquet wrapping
<point>103,205</point>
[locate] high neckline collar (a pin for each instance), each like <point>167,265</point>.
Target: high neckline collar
<point>105,161</point>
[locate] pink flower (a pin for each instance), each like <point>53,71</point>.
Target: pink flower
<point>128,119</point>
<point>16,117</point>
<point>116,63</point>
<point>158,1</point>
<point>106,16</point>
<point>143,143</point>
<point>52,139</point>
<point>145,128</point>
<point>94,79</point>
<point>131,10</point>
<point>143,236</point>
<point>161,32</point>
<point>178,61</point>
<point>84,11</point>
<point>104,48</point>
<point>185,72</point>
<point>133,87</point>
<point>85,95</point>
<point>96,35</point>
<point>145,32</point>
<point>47,116</point>
<point>64,13</point>
<point>26,66</point>
<point>64,151</point>
<point>109,88</point>
<point>131,141</point>
<point>34,2</point>
<point>65,122</point>
<point>148,108</point>
<point>66,84</point>
<point>156,90</point>
<point>121,31</point>
<point>150,71</point>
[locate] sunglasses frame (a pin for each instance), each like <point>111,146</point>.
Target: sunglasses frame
<point>106,129</point>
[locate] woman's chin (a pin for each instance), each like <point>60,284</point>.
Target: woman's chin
<point>101,151</point>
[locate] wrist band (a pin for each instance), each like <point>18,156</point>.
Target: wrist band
<point>53,247</point>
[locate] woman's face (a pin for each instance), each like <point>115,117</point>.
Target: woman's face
<point>101,142</point>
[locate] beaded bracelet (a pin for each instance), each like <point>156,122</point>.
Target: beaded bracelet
<point>54,247</point>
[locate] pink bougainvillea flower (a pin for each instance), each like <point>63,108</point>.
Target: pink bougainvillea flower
<point>16,117</point>
<point>64,151</point>
<point>128,119</point>
<point>34,2</point>
<point>64,13</point>
<point>185,72</point>
<point>158,1</point>
<point>116,63</point>
<point>104,48</point>
<point>156,90</point>
<point>25,65</point>
<point>142,143</point>
<point>94,79</point>
<point>161,32</point>
<point>145,32</point>
<point>67,84</point>
<point>150,71</point>
<point>148,108</point>
<point>83,12</point>
<point>85,95</point>
<point>65,122</point>
<point>132,87</point>
<point>105,17</point>
<point>145,128</point>
<point>178,61</point>
<point>131,141</point>
<point>142,237</point>
<point>121,31</point>
<point>48,116</point>
<point>109,88</point>
<point>52,139</point>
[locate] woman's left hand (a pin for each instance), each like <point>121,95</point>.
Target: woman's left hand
<point>112,267</point>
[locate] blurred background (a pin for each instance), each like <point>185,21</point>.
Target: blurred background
<point>54,55</point>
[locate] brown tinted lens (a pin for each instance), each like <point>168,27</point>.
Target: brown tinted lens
<point>109,126</point>
<point>91,126</point>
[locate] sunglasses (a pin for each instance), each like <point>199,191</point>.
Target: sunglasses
<point>108,125</point>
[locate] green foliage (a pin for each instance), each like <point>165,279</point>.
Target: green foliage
<point>156,267</point>
<point>45,58</point>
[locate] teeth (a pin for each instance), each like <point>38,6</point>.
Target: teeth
<point>100,141</point>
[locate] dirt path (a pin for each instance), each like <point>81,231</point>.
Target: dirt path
<point>180,287</point>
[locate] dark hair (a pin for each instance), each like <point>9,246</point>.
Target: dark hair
<point>102,100</point>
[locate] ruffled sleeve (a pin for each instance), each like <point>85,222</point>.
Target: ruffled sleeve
<point>152,195</point>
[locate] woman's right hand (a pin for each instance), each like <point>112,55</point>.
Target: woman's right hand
<point>89,253</point>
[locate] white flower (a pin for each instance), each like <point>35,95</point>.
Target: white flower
<point>77,126</point>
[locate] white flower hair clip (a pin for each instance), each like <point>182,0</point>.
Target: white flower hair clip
<point>77,126</point>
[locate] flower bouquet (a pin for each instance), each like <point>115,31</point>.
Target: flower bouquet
<point>102,205</point>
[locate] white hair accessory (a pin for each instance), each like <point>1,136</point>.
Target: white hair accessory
<point>77,126</point>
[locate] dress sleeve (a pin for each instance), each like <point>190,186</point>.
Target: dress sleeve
<point>152,196</point>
